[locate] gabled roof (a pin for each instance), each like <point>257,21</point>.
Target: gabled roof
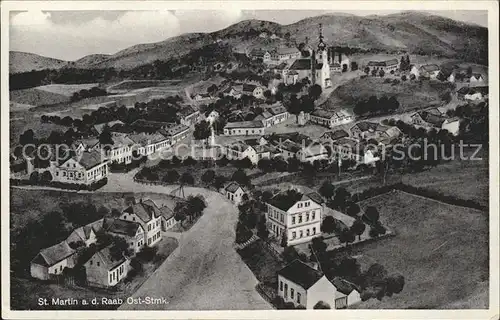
<point>124,227</point>
<point>285,50</point>
<point>432,118</point>
<point>100,127</point>
<point>120,140</point>
<point>263,116</point>
<point>429,67</point>
<point>329,114</point>
<point>166,212</point>
<point>88,160</point>
<point>477,76</point>
<point>343,286</point>
<point>188,110</point>
<point>83,232</point>
<point>144,210</point>
<point>303,64</point>
<point>244,124</point>
<point>150,124</point>
<point>173,129</point>
<point>385,63</point>
<point>232,187</point>
<point>277,109</point>
<point>369,126</point>
<point>52,255</point>
<point>108,262</point>
<point>301,274</point>
<point>334,135</point>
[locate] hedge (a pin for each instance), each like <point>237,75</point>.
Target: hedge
<point>61,185</point>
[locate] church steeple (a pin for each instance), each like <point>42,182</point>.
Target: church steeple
<point>321,44</point>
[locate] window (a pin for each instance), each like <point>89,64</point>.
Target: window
<point>292,293</point>
<point>293,220</point>
<point>98,264</point>
<point>300,218</point>
<point>111,278</point>
<point>90,262</point>
<point>281,285</point>
<point>286,291</point>
<point>282,218</point>
<point>294,235</point>
<point>301,233</point>
<point>307,216</point>
<point>314,230</point>
<point>313,214</point>
<point>298,297</point>
<point>299,205</point>
<point>307,232</point>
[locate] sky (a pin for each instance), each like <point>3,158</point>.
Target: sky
<point>70,35</point>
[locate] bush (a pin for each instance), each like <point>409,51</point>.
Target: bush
<point>147,254</point>
<point>243,234</point>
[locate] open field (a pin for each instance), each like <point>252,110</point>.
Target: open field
<point>141,84</point>
<point>66,89</point>
<point>410,94</point>
<point>36,97</point>
<point>441,250</point>
<point>32,205</point>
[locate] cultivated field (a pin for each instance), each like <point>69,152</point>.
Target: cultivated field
<point>66,89</point>
<point>36,97</point>
<point>441,250</point>
<point>141,84</point>
<point>410,94</point>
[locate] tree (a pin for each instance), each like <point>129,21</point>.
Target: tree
<point>412,76</point>
<point>371,215</point>
<point>374,72</point>
<point>27,137</point>
<point>218,182</point>
<point>34,177</point>
<point>327,190</point>
<point>180,213</point>
<point>208,176</point>
<point>284,240</point>
<point>189,161</point>
<point>469,72</point>
<point>318,249</point>
<point>354,66</point>
<point>341,197</point>
<point>171,176</point>
<point>367,70</point>
<point>202,130</point>
<point>46,176</point>
<point>175,161</point>
<point>186,178</point>
<point>290,254</point>
<point>402,64</point>
<point>264,164</point>
<point>262,231</point>
<point>381,73</point>
<point>358,228</point>
<point>222,162</point>
<point>347,237</point>
<point>403,77</point>
<point>240,177</point>
<point>119,247</point>
<point>212,89</point>
<point>395,284</point>
<point>322,305</point>
<point>328,224</point>
<point>106,138</point>
<point>353,209</point>
<point>315,91</point>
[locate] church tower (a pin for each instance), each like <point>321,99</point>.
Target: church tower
<point>322,76</point>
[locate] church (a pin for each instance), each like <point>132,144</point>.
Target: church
<point>316,67</point>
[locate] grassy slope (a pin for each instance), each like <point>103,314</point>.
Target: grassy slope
<point>441,250</point>
<point>36,97</point>
<point>29,205</point>
<point>24,62</point>
<point>410,94</point>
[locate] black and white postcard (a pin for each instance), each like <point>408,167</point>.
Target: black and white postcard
<point>234,160</point>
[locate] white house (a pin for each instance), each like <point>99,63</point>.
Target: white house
<point>189,116</point>
<point>234,192</point>
<point>175,132</point>
<point>167,218</point>
<point>146,144</point>
<point>83,168</point>
<point>131,231</point>
<point>415,71</point>
<point>253,90</point>
<point>430,71</point>
<point>240,150</point>
<point>387,65</point>
<point>452,125</point>
<point>273,115</point>
<point>476,78</point>
<point>52,261</point>
<point>105,270</point>
<point>294,215</point>
<point>329,118</point>
<point>148,215</point>
<point>351,149</point>
<point>244,128</point>
<point>121,149</point>
<point>212,116</point>
<point>312,152</point>
<point>85,234</point>
<point>304,285</point>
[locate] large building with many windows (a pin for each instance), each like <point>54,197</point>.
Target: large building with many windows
<point>295,216</point>
<point>148,215</point>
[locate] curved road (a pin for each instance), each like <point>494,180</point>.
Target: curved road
<point>204,272</point>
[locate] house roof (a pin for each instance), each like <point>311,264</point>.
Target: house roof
<point>99,127</point>
<point>429,67</point>
<point>277,109</point>
<point>476,76</point>
<point>285,50</point>
<point>301,274</point>
<point>90,159</point>
<point>52,255</point>
<point>144,210</point>
<point>232,187</point>
<point>107,260</point>
<point>150,124</point>
<point>432,118</point>
<point>287,199</point>
<point>304,64</point>
<point>343,286</point>
<point>385,63</point>
<point>83,232</point>
<point>146,139</point>
<point>173,129</point>
<point>121,140</point>
<point>261,149</point>
<point>124,227</point>
<point>263,116</point>
<point>188,110</point>
<point>328,114</point>
<point>166,212</point>
<point>334,135</point>
<point>244,124</point>
<point>370,126</point>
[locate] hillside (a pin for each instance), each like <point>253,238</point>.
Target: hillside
<point>414,32</point>
<point>23,62</point>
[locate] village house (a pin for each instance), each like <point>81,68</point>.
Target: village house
<point>121,149</point>
<point>387,65</point>
<point>253,90</point>
<point>476,78</point>
<point>244,128</point>
<point>148,215</point>
<point>329,118</point>
<point>354,150</point>
<point>167,218</point>
<point>234,192</point>
<point>330,136</point>
<point>104,270</point>
<point>304,285</point>
<point>273,115</point>
<point>282,54</point>
<point>372,130</point>
<point>148,126</point>
<point>84,234</point>
<point>473,93</point>
<point>429,119</point>
<point>414,70</point>
<point>51,261</point>
<point>212,116</point>
<point>260,54</point>
<point>293,214</point>
<point>430,71</point>
<point>175,132</point>
<point>202,97</point>
<point>338,61</point>
<point>189,116</point>
<point>81,145</point>
<point>312,152</point>
<point>84,168</point>
<point>240,150</point>
<point>132,232</point>
<point>146,144</point>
